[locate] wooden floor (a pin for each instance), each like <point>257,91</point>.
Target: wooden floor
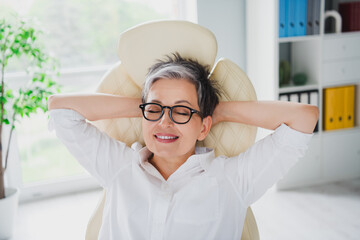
<point>330,212</point>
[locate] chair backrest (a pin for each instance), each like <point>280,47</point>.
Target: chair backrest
<point>139,48</point>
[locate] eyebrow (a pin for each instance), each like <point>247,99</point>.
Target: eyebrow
<point>177,102</point>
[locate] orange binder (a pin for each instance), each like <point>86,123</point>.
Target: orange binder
<point>339,107</point>
<point>349,94</point>
<point>329,108</point>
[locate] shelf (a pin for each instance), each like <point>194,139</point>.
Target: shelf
<point>317,37</point>
<point>294,88</point>
<point>328,60</point>
<point>299,38</point>
<point>342,34</point>
<point>341,83</point>
<point>341,131</point>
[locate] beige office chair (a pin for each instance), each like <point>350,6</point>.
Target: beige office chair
<point>139,48</point>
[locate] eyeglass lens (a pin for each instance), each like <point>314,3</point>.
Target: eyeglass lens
<point>179,114</point>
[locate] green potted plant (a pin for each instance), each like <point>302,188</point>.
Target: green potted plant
<point>20,39</point>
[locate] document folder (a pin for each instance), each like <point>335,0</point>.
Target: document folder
<point>309,26</point>
<point>349,99</point>
<point>339,107</point>
<point>300,17</point>
<point>282,18</point>
<point>316,17</point>
<point>291,18</point>
<point>329,109</point>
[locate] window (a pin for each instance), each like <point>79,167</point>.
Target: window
<point>83,35</point>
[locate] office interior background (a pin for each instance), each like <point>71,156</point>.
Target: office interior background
<point>318,199</point>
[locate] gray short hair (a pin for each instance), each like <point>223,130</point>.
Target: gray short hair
<point>176,67</point>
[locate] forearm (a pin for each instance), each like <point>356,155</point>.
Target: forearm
<point>97,106</point>
<point>269,114</point>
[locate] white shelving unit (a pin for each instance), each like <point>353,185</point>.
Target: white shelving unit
<point>329,60</point>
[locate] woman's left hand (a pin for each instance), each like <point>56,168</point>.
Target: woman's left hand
<point>268,114</point>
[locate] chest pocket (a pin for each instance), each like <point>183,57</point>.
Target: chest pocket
<point>197,202</point>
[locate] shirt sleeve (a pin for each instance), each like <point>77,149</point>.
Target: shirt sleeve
<point>267,161</point>
<point>102,156</point>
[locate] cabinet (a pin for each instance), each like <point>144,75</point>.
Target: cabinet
<point>345,163</point>
<point>329,60</point>
<point>341,59</point>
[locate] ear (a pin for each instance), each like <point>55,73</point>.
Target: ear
<point>206,126</point>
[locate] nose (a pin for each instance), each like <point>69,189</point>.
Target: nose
<point>165,120</point>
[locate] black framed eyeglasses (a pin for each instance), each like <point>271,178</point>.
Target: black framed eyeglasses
<point>178,114</point>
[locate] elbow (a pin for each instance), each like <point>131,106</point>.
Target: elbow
<point>315,113</point>
<point>312,117</point>
<point>51,100</point>
<point>306,118</point>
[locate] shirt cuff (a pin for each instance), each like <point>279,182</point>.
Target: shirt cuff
<point>286,135</point>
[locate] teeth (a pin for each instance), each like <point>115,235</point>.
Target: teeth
<point>166,137</point>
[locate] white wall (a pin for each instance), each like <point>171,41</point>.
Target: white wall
<point>226,19</point>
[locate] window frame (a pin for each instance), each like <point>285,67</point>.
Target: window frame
<point>62,185</point>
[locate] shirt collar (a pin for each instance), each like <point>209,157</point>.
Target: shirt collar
<point>203,156</point>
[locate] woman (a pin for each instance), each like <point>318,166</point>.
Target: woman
<point>171,189</point>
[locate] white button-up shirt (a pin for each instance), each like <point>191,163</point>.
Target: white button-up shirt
<point>205,198</point>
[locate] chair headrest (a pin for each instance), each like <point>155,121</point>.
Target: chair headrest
<point>140,46</point>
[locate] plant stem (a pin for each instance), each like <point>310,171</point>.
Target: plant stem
<point>2,183</point>
<point>2,170</point>
<point>9,142</point>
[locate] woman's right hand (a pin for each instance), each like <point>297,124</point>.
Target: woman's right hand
<point>217,114</point>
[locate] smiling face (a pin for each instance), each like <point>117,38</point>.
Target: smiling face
<point>166,139</point>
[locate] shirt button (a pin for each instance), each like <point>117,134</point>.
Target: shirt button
<point>165,186</point>
<point>167,195</point>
